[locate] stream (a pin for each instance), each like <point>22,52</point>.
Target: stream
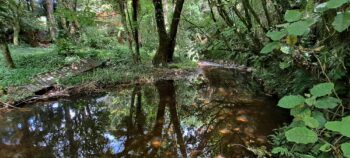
<point>222,114</point>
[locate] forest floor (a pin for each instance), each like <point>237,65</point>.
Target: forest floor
<point>117,70</point>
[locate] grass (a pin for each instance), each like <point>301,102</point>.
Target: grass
<point>29,62</point>
<point>32,61</point>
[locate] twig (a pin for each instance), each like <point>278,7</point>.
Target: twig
<point>8,105</point>
<point>335,93</point>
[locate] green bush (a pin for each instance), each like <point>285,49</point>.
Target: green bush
<point>97,38</point>
<point>66,47</point>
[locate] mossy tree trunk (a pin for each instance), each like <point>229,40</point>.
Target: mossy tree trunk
<point>32,5</point>
<point>16,31</point>
<point>130,32</point>
<point>50,19</point>
<point>7,55</point>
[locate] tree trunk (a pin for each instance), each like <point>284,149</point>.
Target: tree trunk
<point>166,10</point>
<point>63,21</point>
<point>121,8</point>
<point>267,14</point>
<point>16,30</point>
<point>32,5</point>
<point>7,55</point>
<point>50,19</point>
<point>211,11</point>
<point>135,6</point>
<point>167,41</point>
<point>250,9</point>
<point>174,27</point>
<point>161,56</point>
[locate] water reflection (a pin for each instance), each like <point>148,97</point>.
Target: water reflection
<point>173,119</point>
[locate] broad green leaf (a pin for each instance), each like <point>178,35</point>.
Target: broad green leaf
<point>298,28</point>
<point>345,147</point>
<point>325,147</point>
<point>342,21</point>
<point>297,123</point>
<point>310,101</point>
<point>322,89</point>
<point>319,117</point>
<point>332,4</point>
<point>343,126</point>
<point>291,101</point>
<point>270,47</point>
<point>321,7</point>
<point>276,35</point>
<point>311,21</point>
<point>292,15</point>
<point>301,135</point>
<point>327,103</point>
<point>300,112</point>
<point>311,122</point>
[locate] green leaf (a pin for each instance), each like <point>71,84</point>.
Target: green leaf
<point>270,47</point>
<point>332,4</point>
<point>321,7</point>
<point>341,21</point>
<point>343,127</point>
<point>301,135</point>
<point>291,101</point>
<point>306,156</point>
<point>310,21</point>
<point>345,147</point>
<point>322,89</point>
<point>297,123</point>
<point>279,150</point>
<point>300,112</point>
<point>327,103</point>
<point>276,35</point>
<point>310,101</point>
<point>319,117</point>
<point>292,15</point>
<point>325,147</point>
<point>298,28</point>
<point>311,122</point>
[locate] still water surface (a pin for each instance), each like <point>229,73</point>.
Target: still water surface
<point>220,116</point>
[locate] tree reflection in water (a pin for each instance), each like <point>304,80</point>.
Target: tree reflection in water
<point>172,119</point>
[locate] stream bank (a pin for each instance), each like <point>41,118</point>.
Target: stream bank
<point>224,114</point>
